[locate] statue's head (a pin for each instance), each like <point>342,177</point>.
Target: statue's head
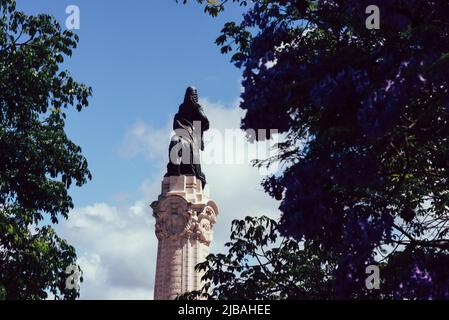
<point>191,96</point>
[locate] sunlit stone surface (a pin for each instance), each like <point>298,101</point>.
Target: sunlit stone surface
<point>185,216</point>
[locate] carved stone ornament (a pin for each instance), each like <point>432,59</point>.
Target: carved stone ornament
<point>206,220</point>
<point>176,219</point>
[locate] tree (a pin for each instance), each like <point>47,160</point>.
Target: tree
<point>38,162</point>
<point>365,114</point>
<point>262,265</point>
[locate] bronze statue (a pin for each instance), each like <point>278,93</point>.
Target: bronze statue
<point>189,125</point>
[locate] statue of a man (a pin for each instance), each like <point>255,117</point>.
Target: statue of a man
<point>189,125</point>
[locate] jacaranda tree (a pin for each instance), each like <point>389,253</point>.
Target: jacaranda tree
<point>38,162</point>
<point>365,113</point>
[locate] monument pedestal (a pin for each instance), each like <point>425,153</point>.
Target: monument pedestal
<point>185,216</point>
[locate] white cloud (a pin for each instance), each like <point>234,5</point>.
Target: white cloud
<point>117,246</point>
<point>116,249</point>
<point>144,140</point>
<point>235,187</point>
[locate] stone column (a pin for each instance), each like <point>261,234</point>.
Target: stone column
<point>185,216</point>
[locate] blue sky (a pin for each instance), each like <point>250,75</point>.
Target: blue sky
<point>139,57</point>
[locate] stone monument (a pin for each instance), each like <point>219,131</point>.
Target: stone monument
<point>184,212</point>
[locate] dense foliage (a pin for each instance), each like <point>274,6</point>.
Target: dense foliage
<point>38,162</point>
<point>365,114</point>
<point>262,265</point>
